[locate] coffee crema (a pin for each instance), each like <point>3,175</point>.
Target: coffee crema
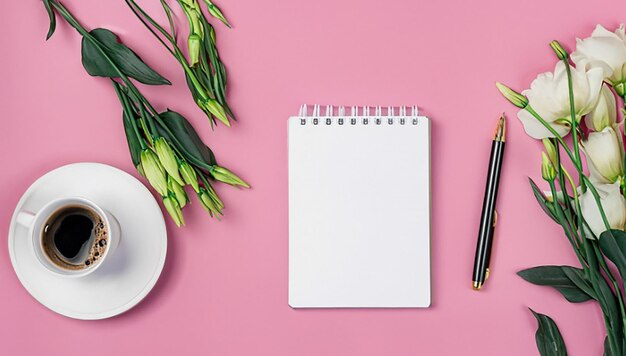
<point>74,237</point>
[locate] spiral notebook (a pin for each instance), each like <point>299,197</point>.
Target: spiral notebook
<point>359,208</point>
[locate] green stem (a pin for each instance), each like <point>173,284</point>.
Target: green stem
<point>556,136</point>
<point>558,164</point>
<point>146,119</point>
<point>596,197</point>
<point>168,12</point>
<point>128,113</point>
<point>577,207</point>
<point>202,176</point>
<point>572,107</point>
<point>567,227</point>
<point>562,172</point>
<point>577,163</point>
<point>138,11</point>
<point>583,179</point>
<point>147,20</point>
<point>132,104</point>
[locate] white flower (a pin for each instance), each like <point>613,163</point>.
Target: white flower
<point>605,112</point>
<point>549,97</point>
<point>613,204</point>
<point>605,155</point>
<point>606,50</point>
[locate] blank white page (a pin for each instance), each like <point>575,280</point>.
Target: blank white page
<point>359,213</point>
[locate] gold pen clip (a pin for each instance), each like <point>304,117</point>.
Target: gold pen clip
<point>495,221</point>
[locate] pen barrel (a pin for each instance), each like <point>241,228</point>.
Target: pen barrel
<point>485,231</point>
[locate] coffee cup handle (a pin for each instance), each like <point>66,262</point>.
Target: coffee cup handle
<point>25,218</point>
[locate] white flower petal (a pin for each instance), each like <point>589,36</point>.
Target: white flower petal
<point>535,129</point>
<point>605,112</point>
<point>549,97</point>
<point>601,31</point>
<point>606,47</point>
<point>605,156</point>
<point>613,204</point>
<point>542,96</point>
<point>594,80</point>
<point>620,32</point>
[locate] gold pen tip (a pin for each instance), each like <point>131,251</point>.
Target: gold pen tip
<point>500,132</point>
<point>476,285</point>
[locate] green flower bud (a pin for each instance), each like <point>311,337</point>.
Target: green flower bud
<point>561,53</point>
<point>212,34</point>
<point>178,191</point>
<point>620,89</point>
<point>216,12</point>
<point>224,175</point>
<point>548,173</point>
<point>511,95</point>
<point>154,171</point>
<point>216,199</point>
<point>194,42</point>
<point>194,14</point>
<point>550,150</point>
<point>172,207</point>
<point>189,175</point>
<point>196,25</point>
<point>168,159</point>
<point>140,169</point>
<point>213,107</point>
<point>207,203</point>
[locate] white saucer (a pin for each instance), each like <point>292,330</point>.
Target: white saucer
<point>134,267</point>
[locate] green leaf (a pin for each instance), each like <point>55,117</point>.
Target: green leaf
<point>577,276</point>
<point>184,136</point>
<point>542,200</point>
<point>133,142</point>
<point>128,118</point>
<point>605,296</point>
<point>192,88</point>
<point>607,347</point>
<point>608,304</point>
<point>120,57</point>
<point>554,276</point>
<point>548,337</point>
<point>613,246</point>
<point>53,19</point>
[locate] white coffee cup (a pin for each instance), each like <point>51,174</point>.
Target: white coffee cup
<point>35,223</point>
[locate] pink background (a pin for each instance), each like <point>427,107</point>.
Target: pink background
<point>224,287</point>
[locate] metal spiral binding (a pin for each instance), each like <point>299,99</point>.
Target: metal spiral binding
<point>359,115</point>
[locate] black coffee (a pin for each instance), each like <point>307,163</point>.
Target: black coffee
<point>74,237</point>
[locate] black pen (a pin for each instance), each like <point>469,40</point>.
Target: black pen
<point>489,215</point>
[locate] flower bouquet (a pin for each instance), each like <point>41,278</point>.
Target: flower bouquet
<point>164,146</point>
<point>574,111</point>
